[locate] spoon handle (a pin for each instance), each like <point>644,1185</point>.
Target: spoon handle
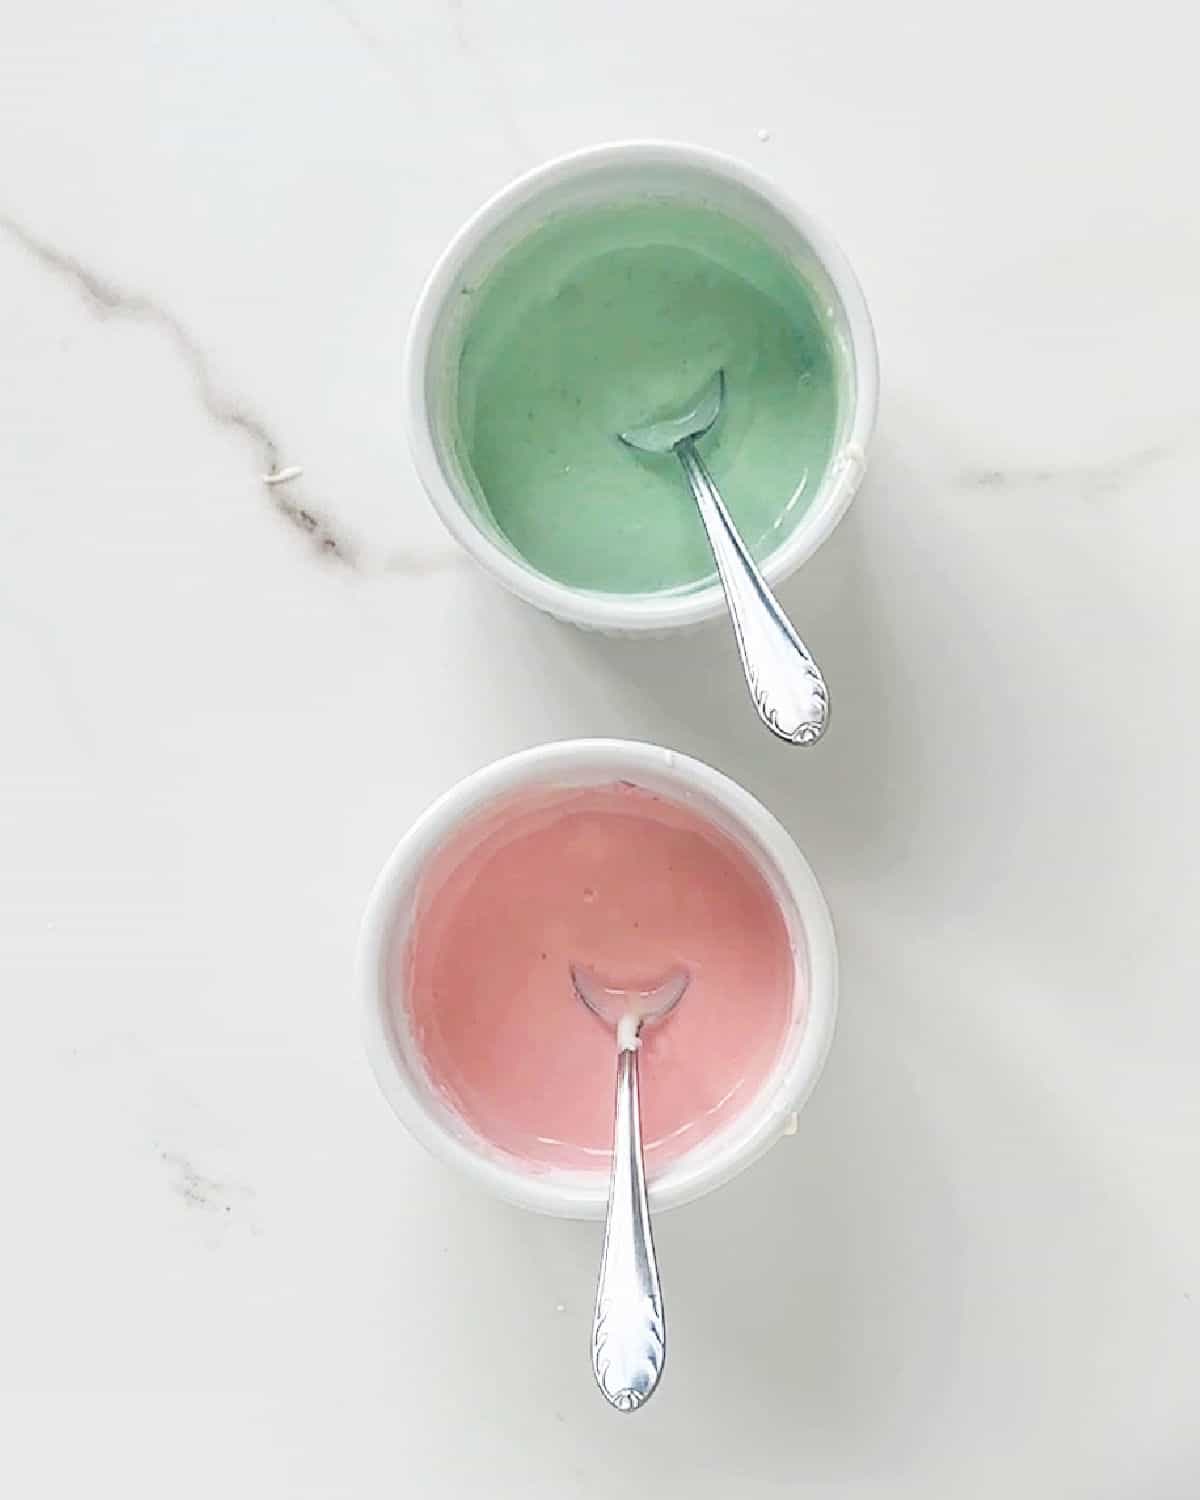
<point>629,1334</point>
<point>785,683</point>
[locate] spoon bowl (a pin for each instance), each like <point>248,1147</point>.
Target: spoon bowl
<point>665,436</point>
<point>628,1010</point>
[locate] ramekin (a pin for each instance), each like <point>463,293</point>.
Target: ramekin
<point>767,1116</point>
<point>607,174</point>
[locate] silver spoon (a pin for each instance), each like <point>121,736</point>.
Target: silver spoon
<point>784,681</point>
<point>629,1335</point>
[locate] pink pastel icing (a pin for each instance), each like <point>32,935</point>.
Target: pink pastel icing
<point>631,884</point>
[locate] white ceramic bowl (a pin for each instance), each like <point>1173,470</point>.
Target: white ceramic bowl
<point>617,173</point>
<point>393,1051</point>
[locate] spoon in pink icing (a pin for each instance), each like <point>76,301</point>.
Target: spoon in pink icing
<point>629,1333</point>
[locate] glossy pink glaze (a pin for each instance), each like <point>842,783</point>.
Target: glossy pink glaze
<point>631,884</point>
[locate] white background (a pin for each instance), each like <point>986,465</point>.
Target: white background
<point>224,1269</point>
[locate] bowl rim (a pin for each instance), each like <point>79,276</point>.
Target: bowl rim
<point>636,612</point>
<point>712,1162</point>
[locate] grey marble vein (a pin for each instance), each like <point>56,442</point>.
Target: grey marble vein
<point>107,299</point>
<point>371,41</point>
<point>40,637</point>
<point>1096,481</point>
<point>492,83</point>
<point>493,87</point>
<point>223,1204</point>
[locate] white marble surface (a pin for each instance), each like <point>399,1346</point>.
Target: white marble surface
<point>975,1270</point>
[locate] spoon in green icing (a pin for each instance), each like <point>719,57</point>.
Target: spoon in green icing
<point>784,681</point>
